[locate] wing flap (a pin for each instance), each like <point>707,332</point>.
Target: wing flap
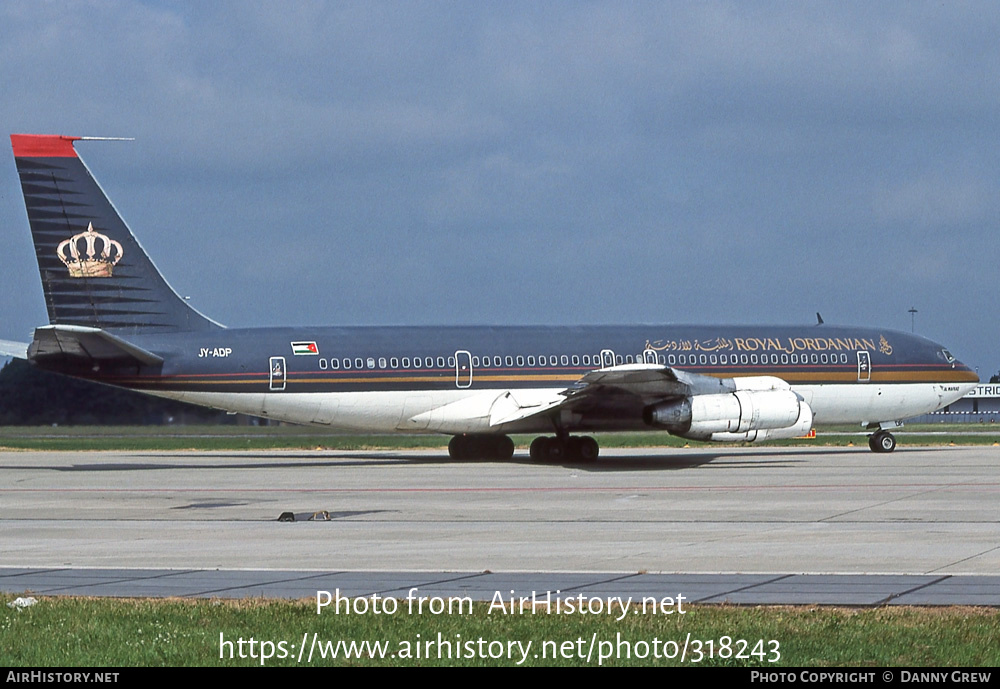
<point>516,405</point>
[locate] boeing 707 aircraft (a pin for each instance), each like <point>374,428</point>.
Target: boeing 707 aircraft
<point>115,320</point>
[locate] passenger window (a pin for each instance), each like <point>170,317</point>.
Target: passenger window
<point>586,360</point>
<point>359,363</point>
<point>335,363</point>
<point>520,360</point>
<point>381,362</point>
<point>576,359</point>
<point>429,362</point>
<point>618,359</point>
<point>628,359</point>
<point>406,362</point>
<point>564,359</point>
<point>671,359</point>
<point>347,363</point>
<point>451,361</point>
<point>440,362</point>
<point>509,360</point>
<point>394,362</point>
<point>703,359</point>
<point>322,364</point>
<point>531,360</point>
<point>497,362</point>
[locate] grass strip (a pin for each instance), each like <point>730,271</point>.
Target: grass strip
<point>66,632</point>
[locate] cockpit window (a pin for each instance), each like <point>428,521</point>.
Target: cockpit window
<point>947,356</point>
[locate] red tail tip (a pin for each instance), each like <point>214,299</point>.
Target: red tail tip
<point>43,145</point>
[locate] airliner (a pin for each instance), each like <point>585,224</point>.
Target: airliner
<point>115,320</point>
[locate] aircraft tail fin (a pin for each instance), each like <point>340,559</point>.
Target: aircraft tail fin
<point>94,272</point>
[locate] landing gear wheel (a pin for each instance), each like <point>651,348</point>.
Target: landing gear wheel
<point>537,449</point>
<point>573,449</point>
<point>504,448</point>
<point>581,449</point>
<point>489,447</point>
<point>555,450</point>
<point>547,449</point>
<point>589,449</point>
<point>883,441</point>
<point>460,447</point>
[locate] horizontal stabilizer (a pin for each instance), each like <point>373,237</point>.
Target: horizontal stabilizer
<point>14,349</point>
<point>87,344</point>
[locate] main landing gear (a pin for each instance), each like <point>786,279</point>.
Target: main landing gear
<point>564,449</point>
<point>495,447</point>
<point>882,441</point>
<point>545,449</point>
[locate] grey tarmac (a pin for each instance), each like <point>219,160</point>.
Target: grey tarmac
<point>747,525</point>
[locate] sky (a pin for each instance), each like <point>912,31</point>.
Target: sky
<point>530,163</point>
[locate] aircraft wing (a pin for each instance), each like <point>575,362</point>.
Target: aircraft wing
<point>627,385</point>
<point>17,350</point>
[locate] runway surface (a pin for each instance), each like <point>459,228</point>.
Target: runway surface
<point>416,516</point>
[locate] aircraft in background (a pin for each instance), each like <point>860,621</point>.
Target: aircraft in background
<point>115,320</point>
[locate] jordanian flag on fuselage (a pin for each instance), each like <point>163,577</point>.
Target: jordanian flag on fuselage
<point>304,348</point>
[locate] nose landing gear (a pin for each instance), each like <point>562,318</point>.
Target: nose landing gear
<point>882,441</point>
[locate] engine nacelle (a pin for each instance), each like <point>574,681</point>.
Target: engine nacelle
<point>740,413</point>
<point>801,427</point>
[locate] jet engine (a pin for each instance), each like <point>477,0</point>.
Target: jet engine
<point>743,415</point>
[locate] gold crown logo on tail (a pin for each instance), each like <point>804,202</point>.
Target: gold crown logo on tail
<point>91,264</point>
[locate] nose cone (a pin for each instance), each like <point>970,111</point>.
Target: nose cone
<point>957,382</point>
<point>965,375</point>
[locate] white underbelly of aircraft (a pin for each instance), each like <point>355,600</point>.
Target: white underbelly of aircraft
<point>470,411</point>
<point>442,411</point>
<point>874,402</point>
